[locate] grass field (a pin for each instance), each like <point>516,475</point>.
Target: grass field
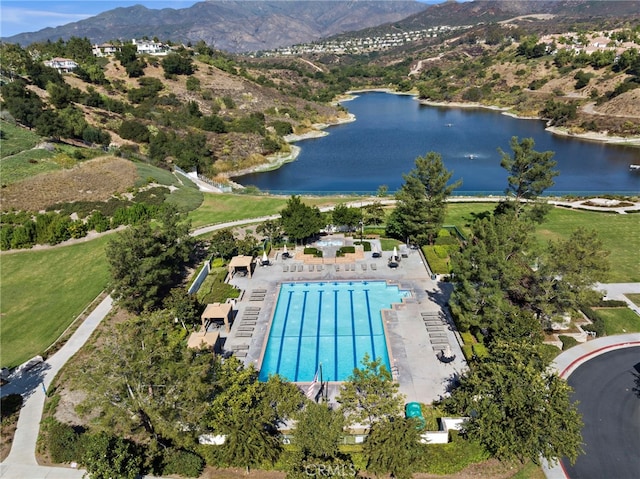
<point>43,292</point>
<point>26,164</point>
<point>619,320</point>
<point>619,233</point>
<point>16,139</point>
<point>228,207</point>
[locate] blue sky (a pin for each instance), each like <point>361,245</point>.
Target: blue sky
<point>20,16</point>
<point>32,15</point>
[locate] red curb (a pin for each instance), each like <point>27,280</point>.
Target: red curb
<point>595,352</point>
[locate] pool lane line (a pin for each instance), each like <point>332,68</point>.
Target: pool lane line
<point>353,330</point>
<point>373,345</point>
<point>304,308</point>
<point>335,334</point>
<point>284,329</point>
<point>319,319</point>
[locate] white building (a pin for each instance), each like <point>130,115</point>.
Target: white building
<point>63,65</point>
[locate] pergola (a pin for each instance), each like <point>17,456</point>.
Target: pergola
<point>206,338</point>
<point>216,312</point>
<point>240,262</point>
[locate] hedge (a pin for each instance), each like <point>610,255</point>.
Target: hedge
<point>567,342</point>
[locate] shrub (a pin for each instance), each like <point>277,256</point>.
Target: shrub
<point>467,337</point>
<point>63,442</point>
<point>567,342</point>
<point>467,350</point>
<point>184,463</point>
<point>452,457</point>
<point>480,350</point>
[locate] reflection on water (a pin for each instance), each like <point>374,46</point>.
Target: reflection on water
<point>391,131</point>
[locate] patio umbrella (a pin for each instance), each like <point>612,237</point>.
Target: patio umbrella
<point>265,259</point>
<point>395,254</point>
<point>285,252</point>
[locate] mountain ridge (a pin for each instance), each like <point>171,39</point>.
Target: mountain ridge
<point>231,25</point>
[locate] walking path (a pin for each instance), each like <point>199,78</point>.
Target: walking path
<point>21,462</point>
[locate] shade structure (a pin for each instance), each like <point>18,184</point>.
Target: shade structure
<point>202,338</point>
<point>216,312</point>
<point>242,263</point>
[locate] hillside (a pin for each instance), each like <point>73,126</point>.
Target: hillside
<point>233,26</point>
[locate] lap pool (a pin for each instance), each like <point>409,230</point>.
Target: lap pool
<point>333,323</point>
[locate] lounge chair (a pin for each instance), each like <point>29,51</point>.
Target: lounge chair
<point>300,268</point>
<point>373,266</point>
<point>364,267</point>
<point>285,268</point>
<point>337,267</point>
<point>310,267</point>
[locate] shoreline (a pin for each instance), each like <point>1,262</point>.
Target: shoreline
<point>277,160</point>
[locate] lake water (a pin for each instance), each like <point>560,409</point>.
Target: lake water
<point>391,131</point>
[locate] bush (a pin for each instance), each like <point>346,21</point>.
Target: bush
<point>467,338</point>
<point>452,457</point>
<point>313,251</point>
<point>184,463</point>
<point>567,342</point>
<point>64,442</point>
<point>480,350</point>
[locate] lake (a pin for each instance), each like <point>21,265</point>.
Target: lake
<point>391,131</point>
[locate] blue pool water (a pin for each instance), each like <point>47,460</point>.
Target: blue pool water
<point>333,323</point>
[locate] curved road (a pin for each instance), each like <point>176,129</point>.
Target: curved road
<point>608,390</point>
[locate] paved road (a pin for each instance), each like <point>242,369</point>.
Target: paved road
<point>577,360</point>
<point>608,391</point>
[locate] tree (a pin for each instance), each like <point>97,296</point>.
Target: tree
<point>393,446</point>
<point>370,394</point>
<point>518,409</point>
<point>343,215</point>
<point>272,229</point>
<point>146,263</point>
<point>144,378</point>
<point>183,306</point>
<point>108,457</point>
<point>248,412</point>
<point>567,272</point>
<point>176,64</point>
<point>318,431</point>
<point>373,213</point>
<point>530,172</point>
<point>421,200</point>
<point>223,244</point>
<point>300,221</point>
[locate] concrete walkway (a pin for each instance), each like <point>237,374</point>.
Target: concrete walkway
<point>570,360</point>
<point>21,462</point>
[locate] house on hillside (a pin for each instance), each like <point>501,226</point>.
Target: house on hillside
<point>63,65</point>
<point>150,47</point>
<point>105,50</point>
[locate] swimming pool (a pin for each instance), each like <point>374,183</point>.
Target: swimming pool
<point>328,323</point>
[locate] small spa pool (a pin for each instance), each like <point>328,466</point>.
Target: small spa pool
<point>330,323</point>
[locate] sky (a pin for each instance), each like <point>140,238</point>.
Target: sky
<point>21,16</point>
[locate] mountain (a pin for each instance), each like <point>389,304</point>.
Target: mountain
<point>489,11</point>
<point>233,26</point>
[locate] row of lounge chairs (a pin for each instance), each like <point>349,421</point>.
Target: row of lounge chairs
<point>319,267</point>
<point>247,325</point>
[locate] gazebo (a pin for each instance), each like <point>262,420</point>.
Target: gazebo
<point>206,338</point>
<point>240,263</point>
<point>216,312</point>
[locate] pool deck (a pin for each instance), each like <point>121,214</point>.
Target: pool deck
<point>417,331</point>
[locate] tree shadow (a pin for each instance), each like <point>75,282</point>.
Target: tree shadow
<point>26,381</point>
<point>636,380</point>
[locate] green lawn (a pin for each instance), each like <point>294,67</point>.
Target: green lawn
<point>220,208</point>
<point>25,165</point>
<point>619,320</point>
<point>43,292</point>
<point>619,233</point>
<point>634,298</point>
<point>16,139</point>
